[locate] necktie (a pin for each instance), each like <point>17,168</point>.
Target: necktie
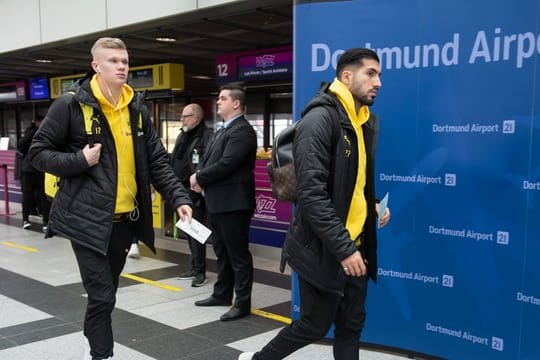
<point>218,134</point>
<point>215,139</point>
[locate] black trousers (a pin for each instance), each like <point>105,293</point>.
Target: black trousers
<point>234,260</point>
<point>100,275</point>
<point>198,250</point>
<point>33,195</point>
<point>318,310</point>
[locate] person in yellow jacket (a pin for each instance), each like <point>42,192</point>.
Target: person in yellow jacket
<point>332,242</point>
<point>103,200</point>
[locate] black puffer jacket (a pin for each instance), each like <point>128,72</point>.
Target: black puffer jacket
<point>83,208</point>
<point>317,240</point>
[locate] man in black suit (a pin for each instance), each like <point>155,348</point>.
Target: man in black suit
<point>225,177</point>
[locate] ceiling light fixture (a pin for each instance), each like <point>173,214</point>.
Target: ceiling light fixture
<point>43,61</point>
<point>202,77</point>
<point>165,39</point>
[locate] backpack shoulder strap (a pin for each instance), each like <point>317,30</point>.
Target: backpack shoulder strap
<point>136,109</point>
<point>336,135</point>
<point>88,112</point>
<point>91,121</point>
<point>336,132</point>
<point>335,126</point>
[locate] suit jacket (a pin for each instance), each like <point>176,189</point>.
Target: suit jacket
<point>226,171</point>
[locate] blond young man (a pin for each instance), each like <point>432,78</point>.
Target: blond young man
<point>103,201</point>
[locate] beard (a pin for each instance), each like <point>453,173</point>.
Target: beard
<point>365,100</point>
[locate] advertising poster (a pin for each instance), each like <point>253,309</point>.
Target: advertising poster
<point>459,154</point>
<point>271,217</point>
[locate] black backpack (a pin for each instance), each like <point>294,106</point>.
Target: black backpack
<point>281,168</point>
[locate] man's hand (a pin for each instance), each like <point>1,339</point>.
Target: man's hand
<point>184,212</point>
<point>91,154</point>
<point>194,185</point>
<point>385,218</point>
<point>354,265</point>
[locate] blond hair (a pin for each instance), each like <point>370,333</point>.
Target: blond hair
<point>107,43</point>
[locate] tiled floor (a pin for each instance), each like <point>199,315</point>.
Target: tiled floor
<point>42,304</point>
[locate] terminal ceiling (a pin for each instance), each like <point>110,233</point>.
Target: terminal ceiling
<point>200,36</point>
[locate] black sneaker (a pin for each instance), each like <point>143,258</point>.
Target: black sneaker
<point>187,275</point>
<point>26,224</point>
<point>199,280</point>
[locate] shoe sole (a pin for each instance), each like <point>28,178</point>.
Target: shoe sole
<point>200,284</point>
<point>190,277</point>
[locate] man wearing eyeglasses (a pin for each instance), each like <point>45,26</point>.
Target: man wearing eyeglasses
<point>187,153</point>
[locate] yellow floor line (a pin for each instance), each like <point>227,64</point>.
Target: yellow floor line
<point>268,315</point>
<point>254,311</point>
<point>21,247</point>
<point>151,282</point>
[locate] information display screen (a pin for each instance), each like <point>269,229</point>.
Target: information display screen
<point>259,65</point>
<point>39,88</point>
<point>13,91</point>
<point>141,78</point>
<point>265,66</point>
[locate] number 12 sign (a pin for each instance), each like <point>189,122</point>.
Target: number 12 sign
<point>226,68</point>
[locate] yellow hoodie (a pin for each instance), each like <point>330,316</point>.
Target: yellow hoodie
<point>119,122</point>
<point>358,209</point>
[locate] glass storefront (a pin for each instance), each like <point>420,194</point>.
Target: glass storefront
<point>15,118</point>
<point>269,113</point>
<point>169,122</point>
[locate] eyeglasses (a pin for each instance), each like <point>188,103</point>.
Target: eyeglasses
<point>186,116</point>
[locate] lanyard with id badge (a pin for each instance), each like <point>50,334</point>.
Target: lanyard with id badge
<point>195,157</point>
